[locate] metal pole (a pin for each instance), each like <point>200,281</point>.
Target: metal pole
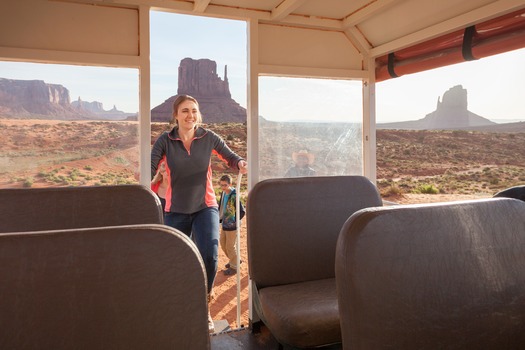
<point>238,247</point>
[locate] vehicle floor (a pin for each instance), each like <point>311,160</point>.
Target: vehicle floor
<point>245,339</point>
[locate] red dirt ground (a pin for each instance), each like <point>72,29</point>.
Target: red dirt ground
<point>224,304</point>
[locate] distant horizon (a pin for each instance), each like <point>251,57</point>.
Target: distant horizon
<point>495,120</point>
<point>498,121</point>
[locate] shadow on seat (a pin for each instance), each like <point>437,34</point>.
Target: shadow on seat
<point>126,287</point>
<point>293,225</point>
<point>435,276</point>
<point>34,209</point>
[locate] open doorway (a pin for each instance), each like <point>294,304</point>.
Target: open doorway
<point>206,58</point>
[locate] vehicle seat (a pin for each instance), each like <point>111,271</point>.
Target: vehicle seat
<point>433,276</point>
<point>121,287</point>
<point>293,225</point>
<point>34,209</point>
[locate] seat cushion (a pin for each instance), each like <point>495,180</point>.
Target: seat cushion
<point>294,324</point>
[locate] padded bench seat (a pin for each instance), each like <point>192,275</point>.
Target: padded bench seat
<point>284,305</point>
<point>57,208</point>
<point>120,287</point>
<point>293,225</point>
<point>433,276</point>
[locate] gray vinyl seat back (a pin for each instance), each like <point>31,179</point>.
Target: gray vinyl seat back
<point>435,276</point>
<point>517,192</point>
<point>33,209</point>
<point>293,225</point>
<point>120,287</point>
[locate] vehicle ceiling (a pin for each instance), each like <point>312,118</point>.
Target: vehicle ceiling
<point>375,28</point>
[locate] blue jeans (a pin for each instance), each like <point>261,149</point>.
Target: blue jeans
<point>203,228</point>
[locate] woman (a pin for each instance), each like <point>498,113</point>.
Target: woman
<point>191,205</point>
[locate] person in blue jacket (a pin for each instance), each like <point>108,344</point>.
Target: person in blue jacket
<point>228,219</point>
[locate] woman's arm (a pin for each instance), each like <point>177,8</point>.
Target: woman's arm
<point>226,154</point>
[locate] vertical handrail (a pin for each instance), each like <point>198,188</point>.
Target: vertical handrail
<point>238,245</point>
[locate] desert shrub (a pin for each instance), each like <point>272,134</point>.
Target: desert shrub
<point>121,181</point>
<point>427,189</point>
<point>393,190</point>
<point>88,167</point>
<point>120,160</point>
<point>28,182</point>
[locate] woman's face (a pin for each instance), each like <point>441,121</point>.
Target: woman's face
<point>187,115</point>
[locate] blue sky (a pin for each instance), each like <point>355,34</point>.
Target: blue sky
<point>111,86</point>
<point>495,85</point>
<point>175,37</point>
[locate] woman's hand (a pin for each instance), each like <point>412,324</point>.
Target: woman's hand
<point>156,178</point>
<point>243,167</point>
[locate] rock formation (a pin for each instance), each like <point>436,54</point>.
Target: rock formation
<point>36,99</point>
<point>97,109</point>
<point>199,79</point>
<point>451,113</point>
<point>94,107</point>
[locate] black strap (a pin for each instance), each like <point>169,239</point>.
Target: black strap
<point>391,71</point>
<point>466,48</point>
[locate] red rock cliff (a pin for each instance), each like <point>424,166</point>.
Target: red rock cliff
<point>36,99</point>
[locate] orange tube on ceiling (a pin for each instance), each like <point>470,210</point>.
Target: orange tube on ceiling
<point>492,37</point>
